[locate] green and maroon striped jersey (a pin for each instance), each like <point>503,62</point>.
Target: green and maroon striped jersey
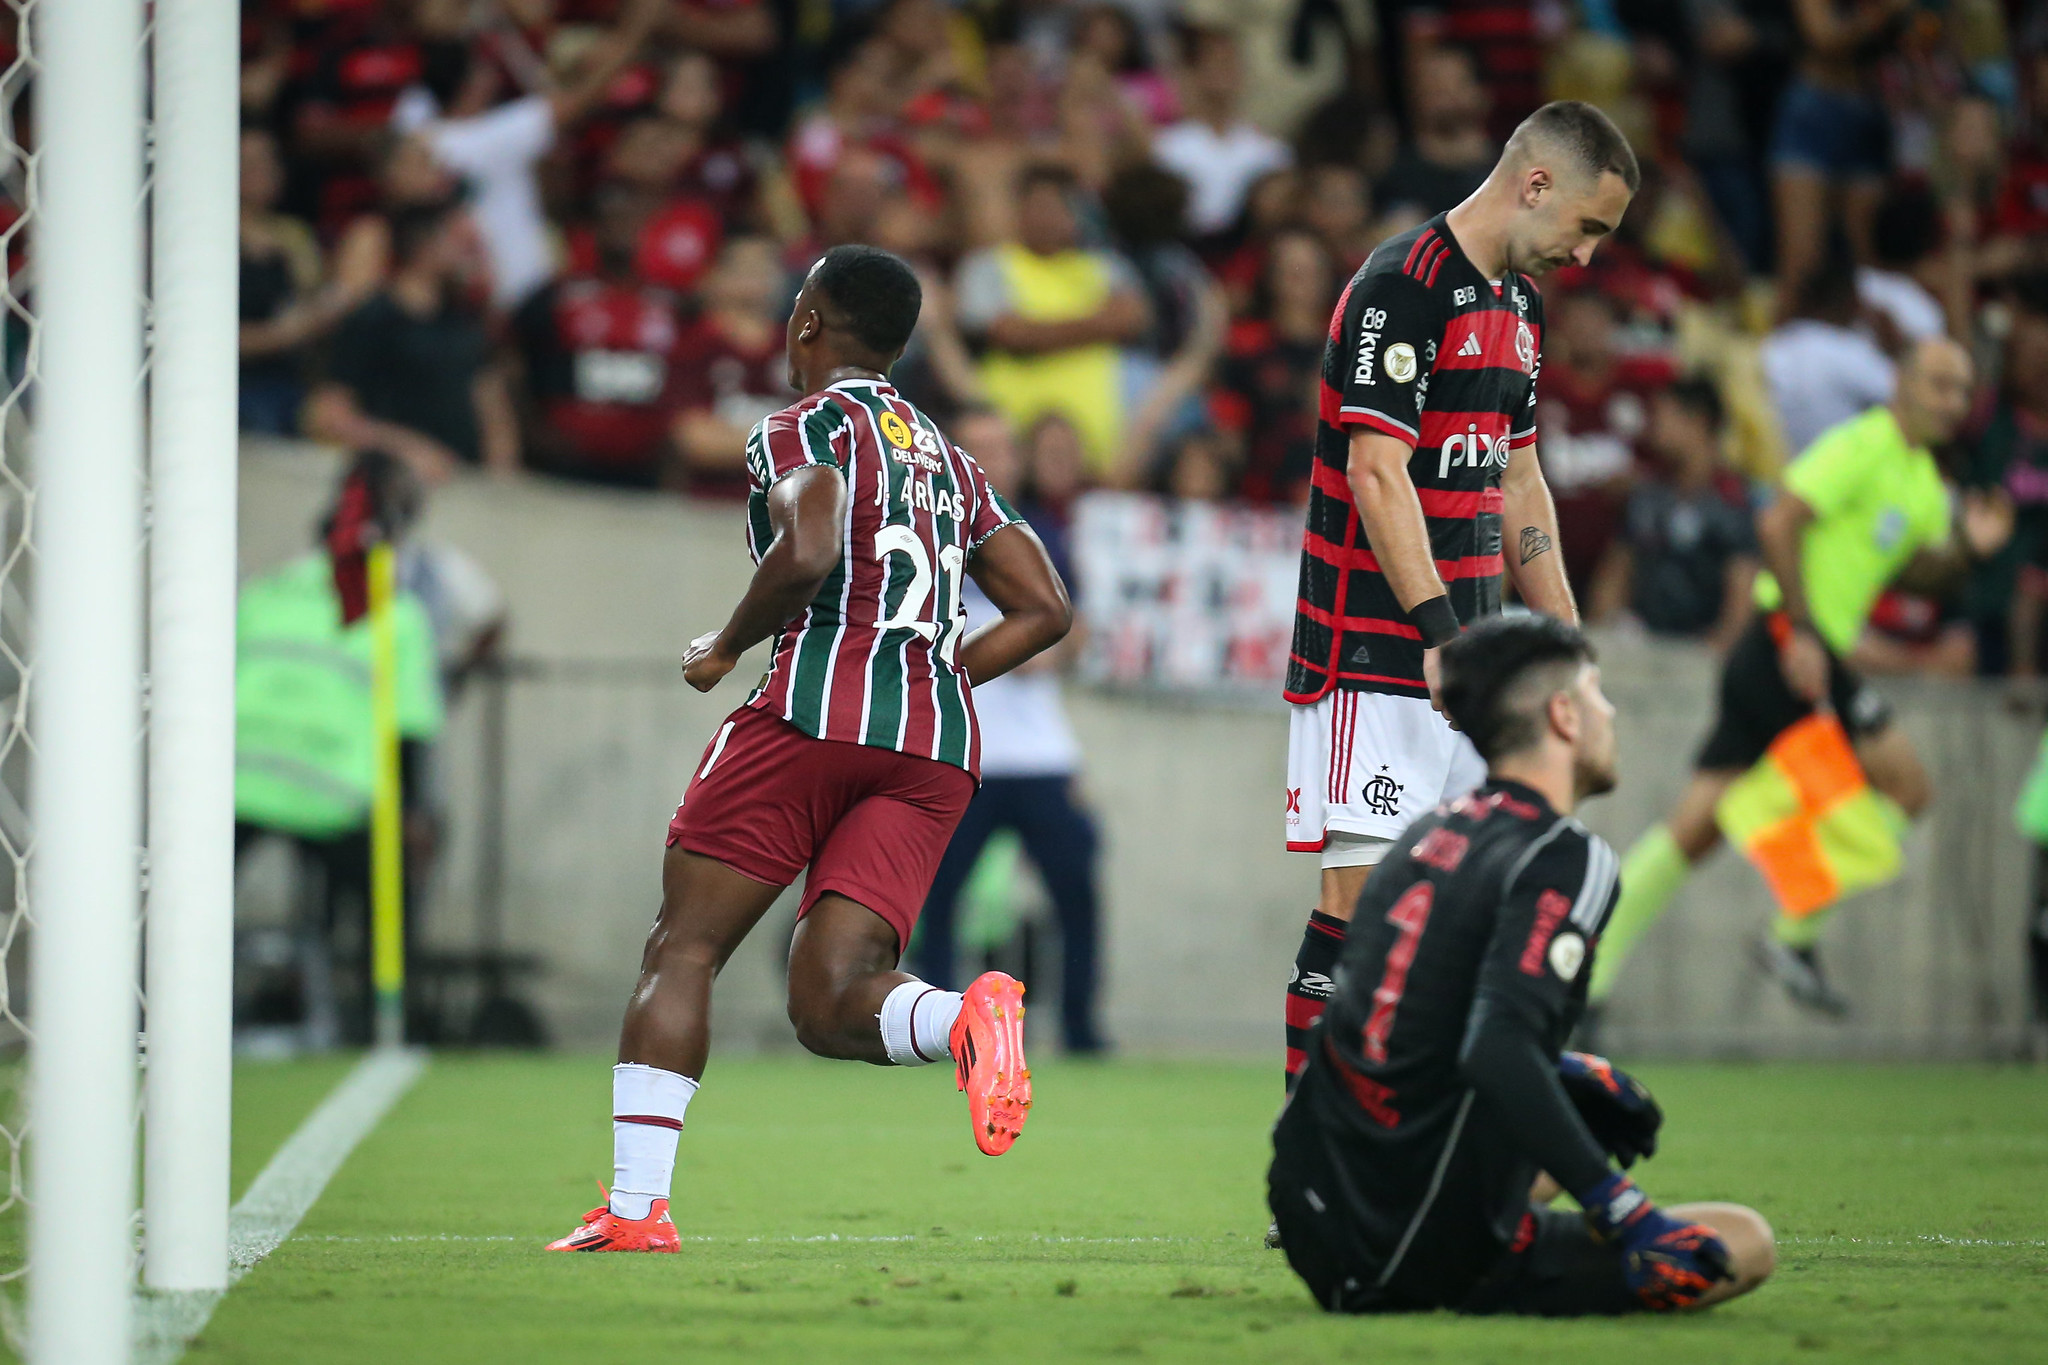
<point>874,659</point>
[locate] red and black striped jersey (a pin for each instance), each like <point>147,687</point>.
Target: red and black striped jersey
<point>874,659</point>
<point>1425,349</point>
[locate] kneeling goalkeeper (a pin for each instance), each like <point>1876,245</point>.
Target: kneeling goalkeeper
<point>1437,1113</point>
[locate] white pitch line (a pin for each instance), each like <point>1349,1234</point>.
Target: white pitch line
<point>166,1321</point>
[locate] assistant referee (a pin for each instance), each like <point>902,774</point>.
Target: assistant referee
<point>1863,507</point>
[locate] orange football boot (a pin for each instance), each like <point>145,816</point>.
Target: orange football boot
<point>988,1056</point>
<point>604,1230</point>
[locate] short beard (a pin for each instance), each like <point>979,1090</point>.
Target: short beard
<point>1588,781</point>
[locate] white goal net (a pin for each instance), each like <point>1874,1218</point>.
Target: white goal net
<point>17,507</point>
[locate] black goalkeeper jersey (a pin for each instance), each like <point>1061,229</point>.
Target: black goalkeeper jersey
<point>1492,903</point>
<point>1423,348</point>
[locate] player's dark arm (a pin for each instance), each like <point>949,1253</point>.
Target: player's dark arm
<point>1013,569</point>
<point>807,512</point>
<point>1526,975</point>
<point>1529,521</point>
<point>1504,1060</point>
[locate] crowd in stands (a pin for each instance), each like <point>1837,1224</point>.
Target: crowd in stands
<point>562,235</point>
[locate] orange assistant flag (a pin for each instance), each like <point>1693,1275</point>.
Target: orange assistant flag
<point>1810,820</point>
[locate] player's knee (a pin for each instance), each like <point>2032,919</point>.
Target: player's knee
<point>670,946</point>
<point>816,1024</point>
<point>1752,1247</point>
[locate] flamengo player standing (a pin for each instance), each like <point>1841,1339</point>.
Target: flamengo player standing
<point>856,754</point>
<point>1425,460</point>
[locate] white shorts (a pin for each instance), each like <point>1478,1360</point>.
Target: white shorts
<point>1369,763</point>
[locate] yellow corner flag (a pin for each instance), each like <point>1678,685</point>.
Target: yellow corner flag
<point>387,834</point>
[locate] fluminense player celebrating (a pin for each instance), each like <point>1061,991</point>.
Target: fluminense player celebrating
<point>855,755</point>
<point>1437,1116</point>
<point>1425,461</point>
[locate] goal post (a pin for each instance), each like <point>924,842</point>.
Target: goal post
<point>192,458</point>
<point>86,715</point>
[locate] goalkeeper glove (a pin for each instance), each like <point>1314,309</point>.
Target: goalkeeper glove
<point>1615,1105</point>
<point>1668,1264</point>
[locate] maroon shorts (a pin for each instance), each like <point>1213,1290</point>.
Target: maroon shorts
<point>767,800</point>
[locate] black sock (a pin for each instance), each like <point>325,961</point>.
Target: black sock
<point>1308,990</point>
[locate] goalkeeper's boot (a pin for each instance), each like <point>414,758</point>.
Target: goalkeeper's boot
<point>603,1230</point>
<point>1798,970</point>
<point>988,1057</point>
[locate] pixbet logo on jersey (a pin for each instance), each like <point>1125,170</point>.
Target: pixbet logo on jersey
<point>1473,448</point>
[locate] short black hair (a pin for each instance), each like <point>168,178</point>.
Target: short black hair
<point>1586,134</point>
<point>1699,394</point>
<point>1484,670</point>
<point>874,293</point>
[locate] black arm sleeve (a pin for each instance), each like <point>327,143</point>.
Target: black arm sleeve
<point>1506,1063</point>
<point>1555,898</point>
<point>1390,327</point>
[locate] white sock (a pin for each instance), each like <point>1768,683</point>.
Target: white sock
<point>647,1117</point>
<point>917,1023</point>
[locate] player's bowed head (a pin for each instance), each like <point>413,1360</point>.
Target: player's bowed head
<point>1562,183</point>
<point>1526,692</point>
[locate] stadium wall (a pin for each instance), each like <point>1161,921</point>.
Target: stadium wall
<point>1203,909</point>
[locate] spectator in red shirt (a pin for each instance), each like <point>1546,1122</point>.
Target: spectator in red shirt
<point>730,367</point>
<point>666,130</point>
<point>715,169</point>
<point>863,184</point>
<point>599,346</point>
<point>861,111</point>
<point>1591,405</point>
<point>1267,385</point>
<point>1506,45</point>
<point>355,68</point>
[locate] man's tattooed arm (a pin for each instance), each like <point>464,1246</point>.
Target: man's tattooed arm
<point>1534,542</point>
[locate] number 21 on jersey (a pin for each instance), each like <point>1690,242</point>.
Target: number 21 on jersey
<point>919,609</point>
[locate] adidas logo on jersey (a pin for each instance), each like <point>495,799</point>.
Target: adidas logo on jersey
<point>1471,346</point>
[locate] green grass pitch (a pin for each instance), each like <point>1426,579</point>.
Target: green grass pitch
<point>839,1213</point>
